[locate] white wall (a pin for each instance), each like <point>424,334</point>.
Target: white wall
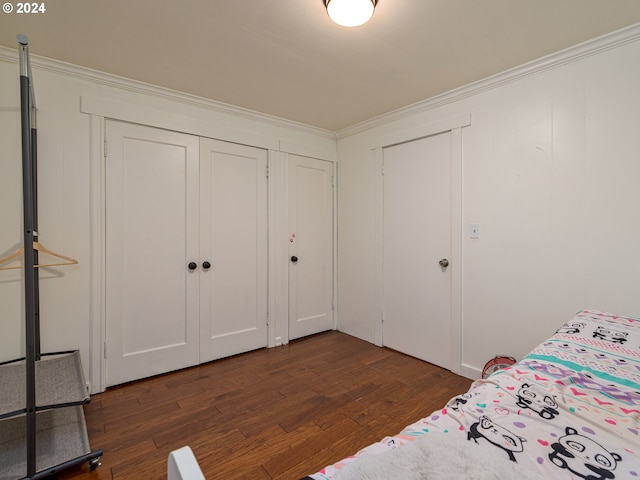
<point>72,104</point>
<point>551,172</point>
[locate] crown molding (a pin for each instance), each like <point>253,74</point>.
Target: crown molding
<point>10,55</point>
<point>569,55</point>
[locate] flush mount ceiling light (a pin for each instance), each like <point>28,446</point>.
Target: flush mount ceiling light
<point>350,13</point>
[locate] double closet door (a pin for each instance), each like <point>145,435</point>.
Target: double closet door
<point>186,250</point>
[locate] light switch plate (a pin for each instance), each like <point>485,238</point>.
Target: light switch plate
<point>474,231</point>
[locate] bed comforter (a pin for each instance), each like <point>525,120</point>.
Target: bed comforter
<point>568,410</point>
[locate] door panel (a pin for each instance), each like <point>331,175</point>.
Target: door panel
<point>311,242</point>
<point>417,235</point>
<point>151,236</point>
<point>233,292</point>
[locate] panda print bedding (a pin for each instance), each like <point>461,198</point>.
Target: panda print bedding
<point>568,410</point>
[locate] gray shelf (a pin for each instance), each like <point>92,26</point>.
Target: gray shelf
<point>61,435</point>
<point>59,381</point>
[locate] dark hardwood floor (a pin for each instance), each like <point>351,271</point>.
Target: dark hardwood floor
<point>274,413</point>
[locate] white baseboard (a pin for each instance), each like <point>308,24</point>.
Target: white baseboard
<point>470,372</point>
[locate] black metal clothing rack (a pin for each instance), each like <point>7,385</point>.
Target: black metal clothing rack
<point>42,394</point>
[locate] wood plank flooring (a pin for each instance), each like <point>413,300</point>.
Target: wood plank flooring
<point>279,413</point>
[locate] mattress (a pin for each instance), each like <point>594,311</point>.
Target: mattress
<point>568,410</point>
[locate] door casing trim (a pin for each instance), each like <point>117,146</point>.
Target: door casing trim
<point>454,125</point>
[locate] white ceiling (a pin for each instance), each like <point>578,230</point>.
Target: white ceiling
<point>286,58</point>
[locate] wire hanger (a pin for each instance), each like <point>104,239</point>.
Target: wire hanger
<point>41,248</point>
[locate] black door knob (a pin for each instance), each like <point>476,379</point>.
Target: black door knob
<point>192,265</point>
<point>294,259</point>
<point>206,265</point>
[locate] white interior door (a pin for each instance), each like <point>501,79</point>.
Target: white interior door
<point>417,235</point>
<point>233,290</point>
<point>310,246</point>
<point>151,235</point>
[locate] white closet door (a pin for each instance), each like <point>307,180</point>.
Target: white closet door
<point>233,291</point>
<point>417,235</point>
<point>310,246</point>
<point>151,236</point>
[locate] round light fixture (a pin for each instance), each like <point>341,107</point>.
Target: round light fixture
<point>350,13</point>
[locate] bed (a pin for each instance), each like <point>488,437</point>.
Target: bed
<point>568,410</point>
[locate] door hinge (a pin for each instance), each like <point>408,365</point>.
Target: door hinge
<point>267,171</point>
<point>382,316</point>
<point>333,183</point>
<point>105,349</point>
<point>105,148</point>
